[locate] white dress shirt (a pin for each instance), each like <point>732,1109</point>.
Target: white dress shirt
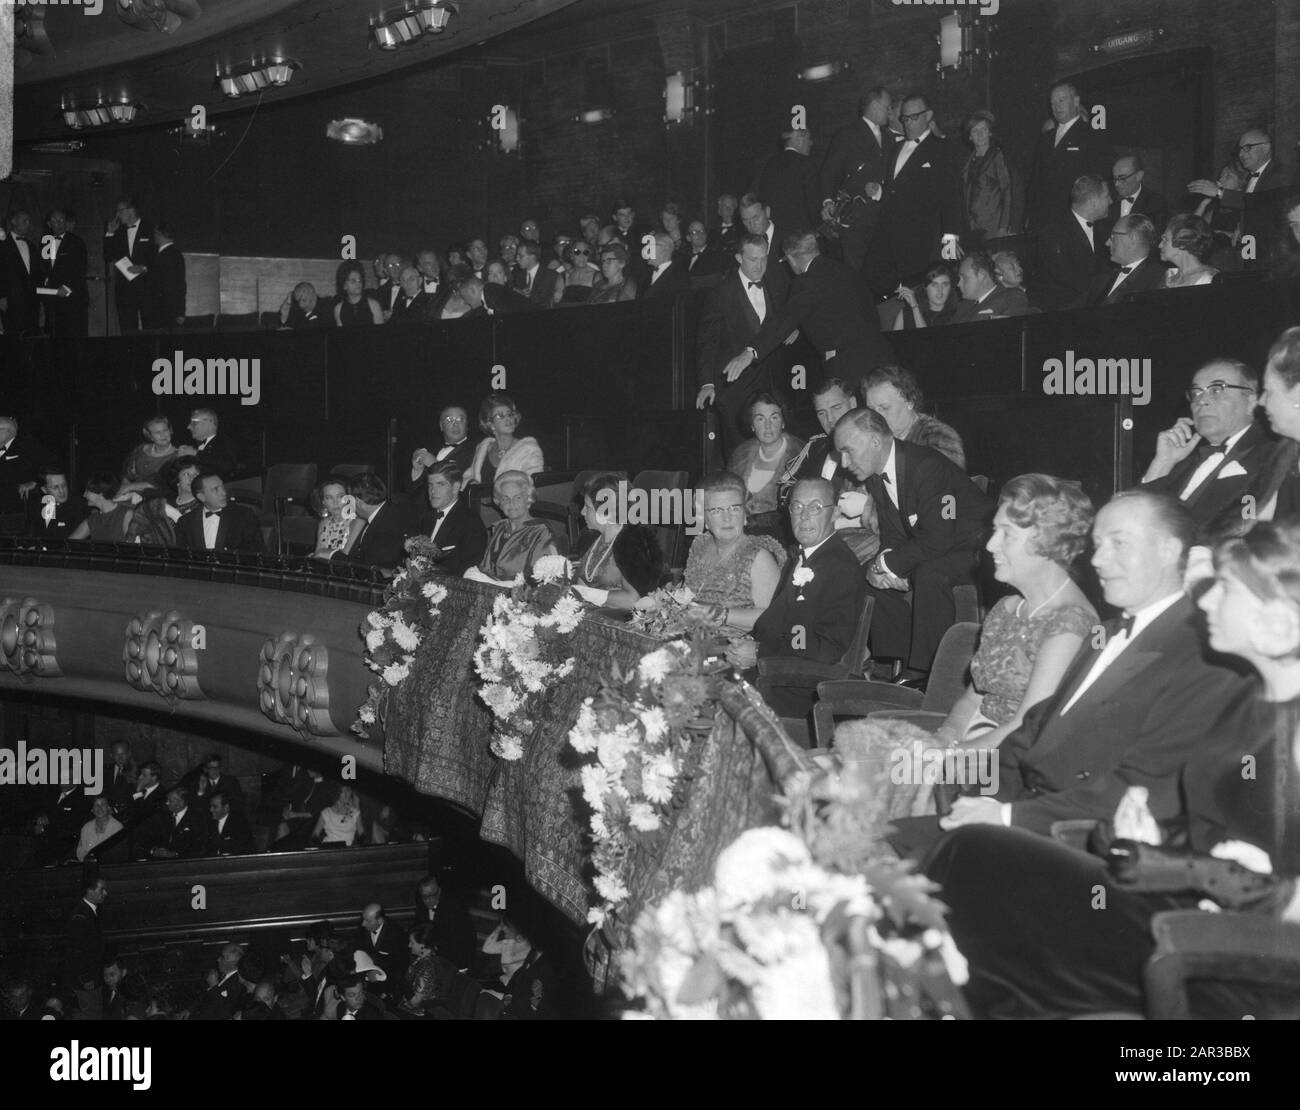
<point>1087,228</point>
<point>211,524</point>
<point>1202,472</point>
<point>906,151</point>
<point>754,291</point>
<point>1117,643</point>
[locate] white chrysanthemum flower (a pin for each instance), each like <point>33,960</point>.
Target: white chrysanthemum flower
<point>407,638</point>
<point>509,748</point>
<point>612,750</point>
<point>758,863</point>
<point>552,568</point>
<point>567,613</point>
<point>396,673</point>
<point>374,639</point>
<point>375,620</point>
<point>798,987</point>
<point>596,916</point>
<point>595,784</point>
<point>655,723</point>
<point>435,592</point>
<point>610,889</point>
<point>656,785</point>
<point>656,666</point>
<point>599,829</point>
<point>642,817</point>
<point>366,714</point>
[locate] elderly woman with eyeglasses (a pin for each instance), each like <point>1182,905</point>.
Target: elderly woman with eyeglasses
<point>498,418</point>
<point>615,284</point>
<point>732,574</point>
<point>516,542</point>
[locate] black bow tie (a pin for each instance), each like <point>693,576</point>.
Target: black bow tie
<point>1126,270</point>
<point>211,512</point>
<point>755,284</point>
<point>1255,175</point>
<point>1125,625</point>
<point>1089,223</point>
<point>1205,449</point>
<point>440,514</point>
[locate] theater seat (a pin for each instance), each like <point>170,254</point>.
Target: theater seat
<point>204,322</point>
<point>237,321</point>
<point>671,535</point>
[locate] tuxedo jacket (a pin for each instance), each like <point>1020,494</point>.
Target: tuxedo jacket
<point>1154,207</point>
<point>810,461</point>
<point>239,530</point>
<point>221,1002</point>
<point>18,284</point>
<point>423,308</point>
<point>672,281</point>
<point>319,318</point>
<point>462,537</point>
<point>705,270</point>
<point>118,787</point>
<point>1156,703</point>
<point>1056,166</point>
<point>1216,504</point>
<point>462,455</point>
<point>387,293</point>
<point>66,518</point>
<point>504,301</point>
<point>83,945</point>
<point>542,294</point>
<point>188,839</point>
<point>821,626</point>
<point>855,158</point>
<point>390,952</point>
<point>999,303</point>
<point>940,510</point>
<point>380,542</point>
<point>115,247</point>
<point>788,185</point>
<point>227,786</point>
<point>218,455</point>
<point>1067,265</point>
<point>727,239</point>
<point>165,288</point>
<point>456,939</point>
<point>370,1010</point>
<point>1260,213</point>
<point>20,463</point>
<point>140,814</point>
<point>234,839</point>
<point>923,202</point>
<point>1146,276</point>
<point>730,324</point>
<point>67,816</point>
<point>69,268</point>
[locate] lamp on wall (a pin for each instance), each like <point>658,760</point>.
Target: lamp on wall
<point>679,98</point>
<point>99,114</point>
<point>594,115</point>
<point>823,71</point>
<point>508,132</point>
<point>354,132</point>
<point>958,48</point>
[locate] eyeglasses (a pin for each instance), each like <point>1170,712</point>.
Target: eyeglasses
<point>814,508</point>
<point>584,253</point>
<point>505,415</point>
<point>1214,389</point>
<point>719,511</point>
<point>1247,146</point>
<point>907,117</point>
<point>1117,178</point>
<point>518,499</point>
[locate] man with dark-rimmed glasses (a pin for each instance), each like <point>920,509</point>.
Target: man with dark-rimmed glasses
<point>1208,460</point>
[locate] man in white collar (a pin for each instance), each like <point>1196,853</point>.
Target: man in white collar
<point>856,165</point>
<point>1136,198</point>
<point>1258,199</point>
<point>211,451</point>
<point>430,273</point>
<point>667,277</point>
<point>1139,698</point>
<point>757,219</point>
<point>129,247</point>
<point>541,286</point>
<point>1072,251</point>
<point>728,231</point>
<point>165,287</point>
<point>814,612</point>
<point>982,297</point>
<point>1066,149</point>
<point>226,989</point>
<point>1130,242</point>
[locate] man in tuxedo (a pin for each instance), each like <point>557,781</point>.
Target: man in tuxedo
<point>456,937</point>
<point>229,833</point>
<point>303,309</point>
<point>1137,700</point>
<point>830,303</point>
<point>1072,251</point>
<point>54,515</point>
<point>217,524</point>
<point>212,452</point>
<point>1257,204</point>
<point>451,527</point>
<point>212,779</point>
<point>181,833</point>
<point>64,256</point>
<point>819,597</point>
<point>264,1005</point>
<point>430,267</point>
<point>982,297</point>
<point>477,251</point>
<point>733,318</point>
<point>933,520</point>
<point>18,1001</point>
<point>819,459</point>
<point>728,230</point>
<point>388,524</point>
<point>20,271</point>
<point>356,1004</point>
<point>1128,175</point>
<point>705,263</point>
<point>1136,269</point>
<point>456,447</point>
<point>413,304</point>
<point>129,241</point>
<point>495,297</point>
<point>140,813</point>
<point>756,219</point>
<point>1210,461</point>
<point>540,285</point>
<point>668,277</point>
<point>391,287</point>
<point>225,993</point>
<point>165,288</point>
<point>122,775</point>
<point>1062,154</point>
<point>83,953</point>
<point>924,212</point>
<point>384,942</point>
<point>856,164</point>
<point>788,182</point>
<point>68,810</point>
<point>20,469</point>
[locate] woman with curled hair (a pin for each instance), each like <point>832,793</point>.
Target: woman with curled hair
<point>498,419</point>
<point>1187,245</point>
<point>732,574</point>
<point>614,285</point>
<point>111,519</point>
<point>355,307</point>
<point>142,467</point>
<point>1028,639</point>
<point>616,563</point>
<point>518,540</point>
<point>759,462</point>
<point>929,305</point>
<point>896,395</point>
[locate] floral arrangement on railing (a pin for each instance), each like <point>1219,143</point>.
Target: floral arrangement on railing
<point>395,631</point>
<point>670,613</point>
<point>640,727</point>
<point>525,650</point>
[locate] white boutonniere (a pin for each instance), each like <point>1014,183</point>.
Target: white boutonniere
<point>800,578</point>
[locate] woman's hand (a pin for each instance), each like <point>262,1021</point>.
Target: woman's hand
<point>906,295</point>
<point>743,655</point>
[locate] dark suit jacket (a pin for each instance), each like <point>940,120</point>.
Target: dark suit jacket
<point>370,1010</point>
<point>1056,166</point>
<point>855,158</point>
<point>118,790</point>
<point>940,510</point>
<point>239,530</point>
<point>705,269</point>
<point>788,184</point>
<point>456,939</point>
<point>730,324</point>
<point>188,839</point>
<point>1216,504</point>
<point>726,239</point>
<point>504,301</point>
<point>999,303</point>
<point>828,613</point>
<point>1067,266</point>
<point>67,315</point>
<point>84,946</point>
<point>380,543</point>
<point>923,202</point>
<point>814,456</point>
<point>221,1002</point>
<point>462,537</point>
<point>227,786</point>
<point>390,953</point>
<point>831,304</point>
<point>115,247</point>
<point>165,288</point>
<point>462,455</point>
<point>1154,207</point>
<point>20,463</point>
<point>672,281</point>
<point>219,455</point>
<point>235,838</point>
<point>423,308</point>
<point>18,285</point>
<point>66,518</point>
<point>1261,211</point>
<point>1147,275</point>
<point>1135,726</point>
<point>542,293</point>
<point>67,816</point>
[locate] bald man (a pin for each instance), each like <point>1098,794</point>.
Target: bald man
<point>225,996</point>
<point>384,942</point>
<point>1259,193</point>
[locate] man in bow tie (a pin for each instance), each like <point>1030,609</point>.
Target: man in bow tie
<point>64,256</point>
<point>1135,197</point>
<point>727,231</point>
<point>20,466</point>
<point>54,515</point>
<point>1258,199</point>
<point>20,270</point>
<point>1210,460</point>
<point>814,612</point>
<point>129,248</point>
<point>217,524</point>
<point>1072,250</point>
<point>450,532</point>
<point>1130,242</point>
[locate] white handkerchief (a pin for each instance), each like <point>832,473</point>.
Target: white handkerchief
<point>1234,469</point>
<point>912,519</point>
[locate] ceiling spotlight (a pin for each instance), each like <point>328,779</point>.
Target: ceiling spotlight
<point>102,112</point>
<point>594,115</point>
<point>354,132</point>
<point>400,26</point>
<point>434,16</point>
<point>679,98</point>
<point>823,72</point>
<point>255,76</point>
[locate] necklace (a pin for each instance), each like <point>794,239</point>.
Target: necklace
<point>780,446</point>
<point>1036,608</point>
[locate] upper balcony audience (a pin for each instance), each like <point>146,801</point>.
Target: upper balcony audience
<point>354,306</point>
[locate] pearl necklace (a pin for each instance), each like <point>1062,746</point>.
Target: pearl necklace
<point>1037,608</point>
